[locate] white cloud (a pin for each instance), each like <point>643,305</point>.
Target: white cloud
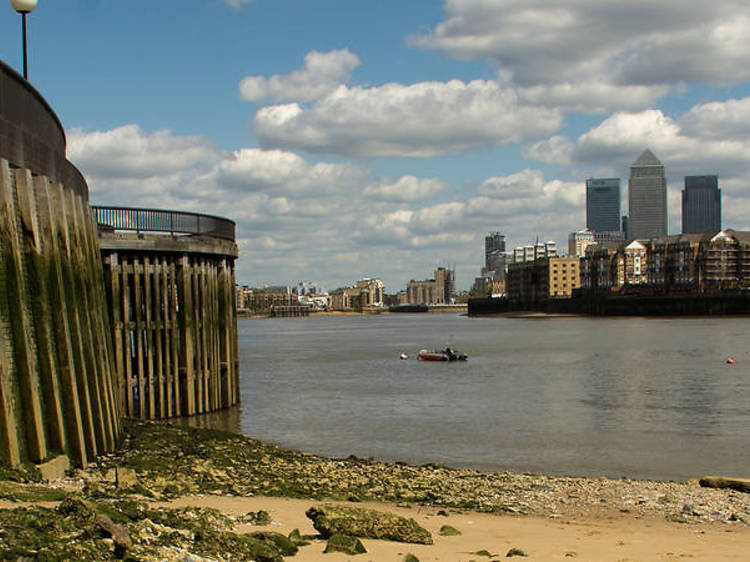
<point>323,73</point>
<point>276,171</point>
<point>598,55</point>
<point>127,152</point>
<point>592,96</point>
<point>555,150</point>
<point>525,204</point>
<point>627,134</point>
<point>528,183</point>
<point>719,120</point>
<point>299,219</point>
<point>406,189</point>
<point>421,120</point>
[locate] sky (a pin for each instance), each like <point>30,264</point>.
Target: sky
<point>384,139</point>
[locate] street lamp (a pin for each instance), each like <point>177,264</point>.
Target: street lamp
<point>24,7</point>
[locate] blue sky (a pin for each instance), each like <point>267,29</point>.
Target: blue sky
<point>359,139</point>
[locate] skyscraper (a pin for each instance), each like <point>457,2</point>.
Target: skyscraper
<point>494,242</point>
<point>647,198</point>
<point>701,204</point>
<point>603,204</point>
<point>494,256</point>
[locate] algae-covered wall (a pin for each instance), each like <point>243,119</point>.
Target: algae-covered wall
<point>174,322</point>
<point>56,375</point>
<point>56,385</point>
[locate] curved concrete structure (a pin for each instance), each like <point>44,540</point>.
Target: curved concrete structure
<point>57,394</point>
<point>170,285</point>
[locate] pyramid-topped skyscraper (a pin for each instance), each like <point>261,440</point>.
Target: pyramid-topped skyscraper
<point>647,198</point>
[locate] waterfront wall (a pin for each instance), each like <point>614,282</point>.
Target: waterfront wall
<point>57,397</point>
<point>729,303</point>
<point>174,322</point>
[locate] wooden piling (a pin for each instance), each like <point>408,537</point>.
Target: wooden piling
<point>56,367</point>
<point>175,343</point>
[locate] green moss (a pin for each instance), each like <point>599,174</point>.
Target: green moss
<point>677,518</point>
<point>195,519</point>
<point>140,490</point>
<point>260,517</point>
<point>297,538</point>
<point>344,543</point>
<point>42,534</point>
<point>23,473</point>
<point>286,546</point>
<point>28,493</point>
<point>239,547</point>
<point>449,531</point>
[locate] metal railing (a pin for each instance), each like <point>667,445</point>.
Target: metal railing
<point>159,220</point>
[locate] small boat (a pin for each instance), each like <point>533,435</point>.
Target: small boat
<point>447,354</point>
<point>404,356</point>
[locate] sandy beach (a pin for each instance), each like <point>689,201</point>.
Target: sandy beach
<point>605,536</point>
<point>163,488</point>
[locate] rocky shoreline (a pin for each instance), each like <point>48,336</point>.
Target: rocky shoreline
<point>159,462</point>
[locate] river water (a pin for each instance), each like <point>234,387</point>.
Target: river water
<point>636,397</point>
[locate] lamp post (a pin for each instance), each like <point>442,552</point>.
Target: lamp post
<point>24,7</point>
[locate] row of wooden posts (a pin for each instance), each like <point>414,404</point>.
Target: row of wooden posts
<point>174,326</point>
<point>56,387</point>
<point>88,335</point>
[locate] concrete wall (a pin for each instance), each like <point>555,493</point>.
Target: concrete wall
<point>174,322</point>
<point>31,135</point>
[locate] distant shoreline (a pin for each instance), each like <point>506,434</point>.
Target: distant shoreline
<point>367,312</point>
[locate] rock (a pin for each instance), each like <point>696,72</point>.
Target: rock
<point>286,546</point>
<point>125,477</point>
<point>410,558</point>
<point>344,543</point>
<point>329,519</point>
<point>259,518</point>
<point>689,509</point>
<point>448,531</point>
<point>739,484</point>
<point>119,533</point>
<point>297,538</point>
<point>677,518</point>
<point>54,469</point>
<point>515,552</point>
<point>74,505</point>
<point>140,490</point>
<point>736,516</point>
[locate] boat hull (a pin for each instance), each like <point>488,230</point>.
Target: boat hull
<point>426,355</point>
